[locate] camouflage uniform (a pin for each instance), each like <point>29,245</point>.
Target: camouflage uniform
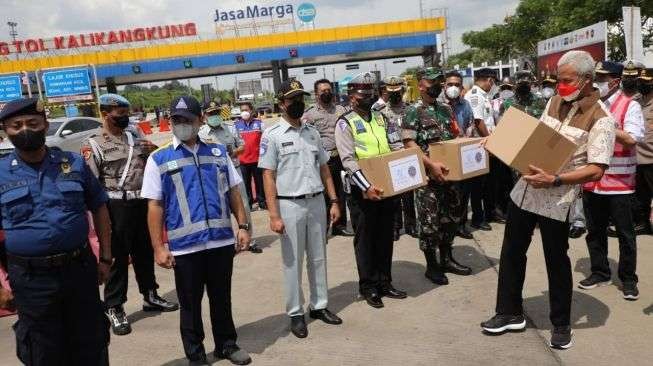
<point>532,104</point>
<point>439,206</point>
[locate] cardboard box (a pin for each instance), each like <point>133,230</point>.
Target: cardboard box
<point>395,172</point>
<point>521,140</point>
<point>465,157</point>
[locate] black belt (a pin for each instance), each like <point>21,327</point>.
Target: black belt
<point>303,196</point>
<point>50,261</point>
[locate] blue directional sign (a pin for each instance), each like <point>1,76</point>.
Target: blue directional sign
<point>10,88</point>
<point>306,12</point>
<point>63,83</point>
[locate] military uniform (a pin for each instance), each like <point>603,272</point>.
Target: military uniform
<point>529,102</point>
<point>53,272</point>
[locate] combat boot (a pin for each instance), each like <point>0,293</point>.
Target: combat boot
<point>450,265</point>
<point>433,271</point>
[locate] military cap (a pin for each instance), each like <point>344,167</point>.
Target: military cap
<point>429,73</point>
<point>608,67</point>
<point>212,106</point>
<point>20,107</point>
<point>507,81</point>
<point>485,73</point>
<point>185,106</point>
<point>394,83</point>
<point>290,88</point>
<point>524,76</point>
<point>550,79</point>
<point>114,100</point>
<point>632,68</point>
<point>363,81</point>
<point>646,74</point>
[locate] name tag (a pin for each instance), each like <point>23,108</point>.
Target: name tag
<point>289,143</point>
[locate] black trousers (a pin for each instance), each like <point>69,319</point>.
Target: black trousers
<point>210,269</point>
<point>405,212</point>
<point>335,167</point>
<point>373,241</point>
<point>472,189</point>
<point>130,237</point>
<point>643,194</point>
<point>61,319</point>
<point>512,266</point>
<point>250,171</point>
<point>599,209</point>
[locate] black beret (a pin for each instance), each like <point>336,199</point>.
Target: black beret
<point>19,107</point>
<point>485,73</point>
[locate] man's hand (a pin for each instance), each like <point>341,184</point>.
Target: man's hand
<point>539,178</point>
<point>373,193</point>
<point>164,258</point>
<point>438,171</point>
<point>103,273</point>
<point>7,300</point>
<point>277,225</point>
<point>147,146</point>
<point>334,212</point>
<point>242,240</point>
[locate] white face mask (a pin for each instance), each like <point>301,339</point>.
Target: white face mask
<point>603,87</point>
<point>548,92</point>
<point>506,94</point>
<point>245,115</point>
<point>185,132</point>
<point>453,92</point>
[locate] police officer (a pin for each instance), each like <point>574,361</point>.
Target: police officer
<point>117,158</point>
<point>44,196</point>
<point>217,131</point>
<point>323,116</point>
<point>439,204</point>
<point>295,175</point>
<point>361,133</point>
<point>523,98</point>
<point>548,87</point>
<point>193,188</point>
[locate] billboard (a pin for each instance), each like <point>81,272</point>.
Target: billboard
<point>592,39</point>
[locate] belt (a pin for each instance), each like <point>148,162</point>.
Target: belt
<point>51,261</point>
<point>303,196</point>
<point>124,195</point>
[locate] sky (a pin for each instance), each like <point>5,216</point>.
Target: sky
<point>44,19</point>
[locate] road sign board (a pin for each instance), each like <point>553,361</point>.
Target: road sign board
<point>306,12</point>
<point>10,88</point>
<point>67,82</point>
<point>310,70</point>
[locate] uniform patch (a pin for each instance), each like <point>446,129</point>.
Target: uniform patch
<point>172,165</point>
<point>215,151</point>
<point>289,143</point>
<point>14,162</point>
<point>473,101</point>
<point>65,168</point>
<point>263,148</point>
<point>181,104</point>
<point>360,127</point>
<point>343,125</point>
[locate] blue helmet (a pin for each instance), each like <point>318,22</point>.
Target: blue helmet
<point>114,100</point>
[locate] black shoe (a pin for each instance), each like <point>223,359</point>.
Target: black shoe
<point>433,271</point>
<point>254,248</point>
<point>391,292</point>
<point>449,264</point>
<point>412,231</point>
<point>154,302</point>
<point>576,232</point>
<point>503,323</point>
<point>482,226</point>
<point>643,229</point>
<point>593,281</point>
<point>119,322</point>
<point>630,291</point>
<point>235,354</point>
<point>463,233</point>
<point>499,218</point>
<point>198,361</point>
<point>612,232</point>
<point>326,316</point>
<point>561,337</point>
<point>342,232</point>
<point>298,326</point>
<point>396,235</point>
<point>374,300</point>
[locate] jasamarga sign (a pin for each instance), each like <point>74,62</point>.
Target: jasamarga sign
<point>253,12</point>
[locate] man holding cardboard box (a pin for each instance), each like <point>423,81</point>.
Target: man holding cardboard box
<point>439,204</point>
<point>361,134</point>
<point>542,198</point>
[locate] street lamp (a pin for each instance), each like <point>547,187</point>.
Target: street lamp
<point>13,33</point>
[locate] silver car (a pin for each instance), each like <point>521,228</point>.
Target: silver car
<point>65,133</point>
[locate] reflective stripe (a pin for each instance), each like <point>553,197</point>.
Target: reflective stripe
<point>630,169</point>
<point>184,210</point>
<point>130,141</point>
<point>176,164</point>
<point>197,227</point>
<point>221,186</point>
<point>623,160</point>
<point>128,195</point>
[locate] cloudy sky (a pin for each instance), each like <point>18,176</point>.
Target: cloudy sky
<point>46,18</point>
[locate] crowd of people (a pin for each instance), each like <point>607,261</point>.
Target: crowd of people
<point>175,205</point>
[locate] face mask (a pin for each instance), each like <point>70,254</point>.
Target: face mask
<point>603,87</point>
<point>523,89</point>
<point>434,90</point>
<point>326,97</point>
<point>366,103</point>
<point>506,94</point>
<point>120,121</point>
<point>296,109</point>
<point>452,92</point>
<point>629,84</point>
<point>645,89</point>
<point>245,115</point>
<point>394,98</point>
<point>214,121</point>
<point>184,131</point>
<point>28,140</point>
<point>548,92</point>
<point>568,92</point>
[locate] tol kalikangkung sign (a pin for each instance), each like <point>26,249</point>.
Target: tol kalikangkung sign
<point>75,41</point>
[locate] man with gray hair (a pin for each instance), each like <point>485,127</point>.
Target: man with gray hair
<point>541,198</point>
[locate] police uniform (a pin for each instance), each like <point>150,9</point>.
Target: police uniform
<point>53,272</point>
<point>118,162</point>
<point>296,155</point>
<point>439,205</point>
<point>373,221</point>
<point>324,120</point>
<point>644,178</point>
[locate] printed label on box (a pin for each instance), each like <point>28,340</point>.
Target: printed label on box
<point>405,172</point>
<point>473,158</point>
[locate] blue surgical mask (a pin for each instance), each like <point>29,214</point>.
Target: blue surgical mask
<point>214,121</point>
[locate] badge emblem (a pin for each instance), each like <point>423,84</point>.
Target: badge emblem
<point>216,151</point>
<point>412,171</point>
<point>65,168</point>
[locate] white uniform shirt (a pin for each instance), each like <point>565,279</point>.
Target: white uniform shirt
<point>481,106</point>
<point>152,189</point>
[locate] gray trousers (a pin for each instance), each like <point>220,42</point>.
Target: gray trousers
<point>577,215</point>
<point>305,222</point>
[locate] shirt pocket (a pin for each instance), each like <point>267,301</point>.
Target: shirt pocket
<point>73,195</point>
<point>289,157</point>
<point>17,203</point>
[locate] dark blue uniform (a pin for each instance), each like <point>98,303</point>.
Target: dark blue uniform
<point>52,271</point>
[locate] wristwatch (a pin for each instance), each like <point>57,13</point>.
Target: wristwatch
<point>557,182</point>
<point>333,200</point>
<point>244,226</point>
<point>108,261</point>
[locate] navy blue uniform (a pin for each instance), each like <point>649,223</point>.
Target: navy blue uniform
<point>43,209</point>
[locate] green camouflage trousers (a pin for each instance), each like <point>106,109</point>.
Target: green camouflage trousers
<point>439,211</point>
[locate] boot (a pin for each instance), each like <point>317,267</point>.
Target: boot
<point>450,265</point>
<point>433,270</point>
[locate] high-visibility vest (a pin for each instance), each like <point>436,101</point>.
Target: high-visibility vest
<point>370,138</point>
<point>195,194</point>
<point>619,178</point>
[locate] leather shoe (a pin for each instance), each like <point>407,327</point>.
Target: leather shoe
<point>326,316</point>
<point>254,248</point>
<point>612,232</point>
<point>643,229</point>
<point>393,293</point>
<point>374,300</point>
<point>463,233</point>
<point>498,218</point>
<point>576,232</point>
<point>199,361</point>
<point>153,302</point>
<point>342,232</point>
<point>235,354</point>
<point>482,226</point>
<point>298,326</point>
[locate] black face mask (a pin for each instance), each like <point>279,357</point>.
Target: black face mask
<point>326,98</point>
<point>28,140</point>
<point>394,98</point>
<point>296,109</point>
<point>645,89</point>
<point>120,121</point>
<point>629,84</point>
<point>365,104</point>
<point>434,90</point>
<point>523,89</point>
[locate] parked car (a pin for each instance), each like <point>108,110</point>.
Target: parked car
<point>65,133</point>
<point>235,112</point>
